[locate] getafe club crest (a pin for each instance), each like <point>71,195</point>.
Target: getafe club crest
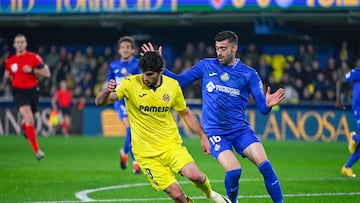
<point>166,97</point>
<point>217,4</point>
<point>225,77</point>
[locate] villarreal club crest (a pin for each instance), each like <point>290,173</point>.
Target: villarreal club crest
<point>166,97</point>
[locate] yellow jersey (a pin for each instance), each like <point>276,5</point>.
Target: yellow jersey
<point>153,129</point>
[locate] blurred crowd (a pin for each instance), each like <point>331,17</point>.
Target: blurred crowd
<point>304,76</point>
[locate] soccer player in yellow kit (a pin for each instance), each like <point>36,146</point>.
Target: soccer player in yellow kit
<point>156,142</point>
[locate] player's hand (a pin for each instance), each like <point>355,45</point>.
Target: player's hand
<point>205,144</point>
<point>27,69</point>
<point>150,47</point>
<point>275,98</point>
<point>111,86</point>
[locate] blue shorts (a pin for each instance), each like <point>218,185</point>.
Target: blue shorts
<point>238,140</point>
<point>356,114</point>
<point>120,108</point>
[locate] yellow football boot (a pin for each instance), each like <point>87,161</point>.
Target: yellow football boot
<point>352,143</point>
<point>348,172</point>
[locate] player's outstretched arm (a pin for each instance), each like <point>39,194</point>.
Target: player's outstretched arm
<point>275,98</point>
<point>107,95</point>
<point>188,116</point>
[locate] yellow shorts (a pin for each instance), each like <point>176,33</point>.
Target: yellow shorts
<point>159,169</point>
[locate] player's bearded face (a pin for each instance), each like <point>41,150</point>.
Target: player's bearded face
<point>151,78</point>
<point>225,52</point>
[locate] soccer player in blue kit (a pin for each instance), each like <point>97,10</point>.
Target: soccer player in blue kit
<point>354,147</point>
<point>226,86</point>
<point>119,69</point>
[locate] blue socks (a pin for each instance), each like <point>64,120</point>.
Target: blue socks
<point>127,144</point>
<point>232,184</point>
<point>353,158</point>
<point>271,181</point>
<point>356,138</point>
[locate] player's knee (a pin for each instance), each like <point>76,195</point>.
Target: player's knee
<point>196,177</point>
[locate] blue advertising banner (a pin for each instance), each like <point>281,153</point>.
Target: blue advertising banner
<point>287,123</point>
<point>307,123</point>
<point>123,6</point>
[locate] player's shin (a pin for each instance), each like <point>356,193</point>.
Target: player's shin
<point>232,184</point>
<point>204,186</point>
<point>271,181</point>
<point>31,135</point>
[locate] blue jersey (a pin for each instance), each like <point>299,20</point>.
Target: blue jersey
<point>225,93</point>
<point>354,76</point>
<point>118,70</point>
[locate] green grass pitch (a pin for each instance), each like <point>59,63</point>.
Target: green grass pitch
<point>89,167</point>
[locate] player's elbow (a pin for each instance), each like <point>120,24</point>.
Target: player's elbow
<point>47,75</point>
<point>97,102</point>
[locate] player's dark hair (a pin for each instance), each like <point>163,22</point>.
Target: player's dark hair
<point>19,35</point>
<point>226,35</point>
<point>151,61</point>
<point>126,39</point>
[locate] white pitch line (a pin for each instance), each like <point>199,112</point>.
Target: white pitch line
<point>200,197</point>
<point>83,195</point>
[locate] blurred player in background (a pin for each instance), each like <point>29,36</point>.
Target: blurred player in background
<point>23,68</point>
<point>227,84</point>
<point>354,140</point>
<point>63,99</point>
<point>125,66</point>
<point>156,142</point>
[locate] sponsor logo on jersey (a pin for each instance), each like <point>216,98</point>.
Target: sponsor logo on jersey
<point>220,88</point>
<point>212,74</point>
<point>141,95</point>
<point>210,87</point>
<point>154,108</point>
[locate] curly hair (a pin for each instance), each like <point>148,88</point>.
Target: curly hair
<point>151,61</point>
